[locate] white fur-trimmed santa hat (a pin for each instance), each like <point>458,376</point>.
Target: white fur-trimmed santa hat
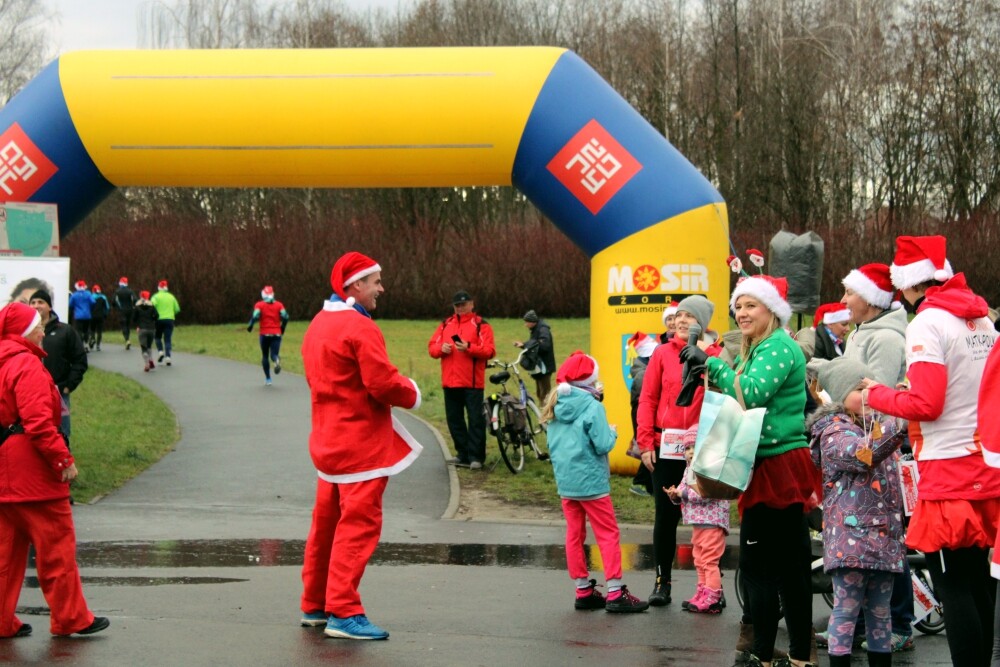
<point>670,311</point>
<point>349,268</point>
<point>643,344</point>
<point>872,283</point>
<point>920,259</point>
<point>770,291</point>
<point>267,293</point>
<point>80,285</point>
<point>579,370</point>
<point>837,313</point>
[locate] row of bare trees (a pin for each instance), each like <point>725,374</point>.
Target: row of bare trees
<point>859,119</point>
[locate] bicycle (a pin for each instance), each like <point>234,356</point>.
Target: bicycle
<point>514,419</point>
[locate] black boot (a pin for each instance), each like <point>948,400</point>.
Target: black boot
<point>879,659</point>
<point>840,660</point>
<point>661,593</point>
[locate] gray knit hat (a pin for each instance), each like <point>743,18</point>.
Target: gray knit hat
<point>530,316</point>
<point>698,306</point>
<point>841,376</point>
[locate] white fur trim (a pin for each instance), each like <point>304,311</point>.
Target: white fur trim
<point>908,275</point>
<point>646,347</point>
<point>337,306</point>
<point>764,292</point>
<point>419,395</point>
<point>667,312</point>
<point>375,268</point>
<point>350,302</point>
<point>866,288</point>
<point>563,389</point>
<point>35,321</point>
<point>400,466</point>
<point>837,316</point>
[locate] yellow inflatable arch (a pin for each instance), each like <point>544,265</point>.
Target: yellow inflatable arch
<point>538,118</point>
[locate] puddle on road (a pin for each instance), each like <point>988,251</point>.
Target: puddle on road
<point>267,552</point>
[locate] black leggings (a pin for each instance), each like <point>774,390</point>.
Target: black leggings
<point>774,559</point>
<point>666,473</point>
<point>966,592</point>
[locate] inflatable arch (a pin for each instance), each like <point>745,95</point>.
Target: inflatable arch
<point>538,118</point>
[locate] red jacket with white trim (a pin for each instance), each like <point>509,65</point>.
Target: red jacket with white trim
<point>354,386</point>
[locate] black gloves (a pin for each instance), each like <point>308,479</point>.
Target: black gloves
<point>250,327</point>
<point>692,354</point>
<point>693,378</point>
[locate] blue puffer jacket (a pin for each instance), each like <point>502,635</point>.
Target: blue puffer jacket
<point>862,503</point>
<point>579,440</point>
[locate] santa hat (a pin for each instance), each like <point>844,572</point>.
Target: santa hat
<point>97,288</point>
<point>770,291</point>
<point>836,313</point>
<point>162,285</point>
<point>920,259</point>
<point>80,285</point>
<point>670,311</point>
<point>349,268</point>
<point>123,281</point>
<point>872,283</point>
<point>579,370</point>
<point>643,344</point>
<point>144,294</point>
<point>267,293</point>
<point>17,320</point>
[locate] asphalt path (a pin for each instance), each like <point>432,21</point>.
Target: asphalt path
<point>196,561</point>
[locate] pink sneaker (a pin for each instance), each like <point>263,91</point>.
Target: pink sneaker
<point>709,602</point>
<point>698,592</point>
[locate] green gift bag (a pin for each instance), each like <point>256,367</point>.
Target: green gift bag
<point>728,435</point>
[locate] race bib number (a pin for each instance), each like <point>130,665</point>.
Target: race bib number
<point>672,444</point>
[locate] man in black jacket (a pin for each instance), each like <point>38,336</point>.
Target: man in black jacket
<point>67,358</point>
<point>124,303</point>
<point>541,337</point>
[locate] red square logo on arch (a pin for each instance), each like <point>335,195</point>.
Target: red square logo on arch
<point>23,166</point>
<point>593,166</point>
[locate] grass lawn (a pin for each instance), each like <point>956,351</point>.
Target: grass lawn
<point>120,428</point>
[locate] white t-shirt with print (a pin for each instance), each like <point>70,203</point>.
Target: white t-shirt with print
<point>936,336</point>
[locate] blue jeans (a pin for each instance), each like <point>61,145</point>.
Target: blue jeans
<point>64,423</point>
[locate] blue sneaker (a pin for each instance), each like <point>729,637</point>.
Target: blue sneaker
<point>313,619</point>
<point>354,627</point>
<point>267,382</point>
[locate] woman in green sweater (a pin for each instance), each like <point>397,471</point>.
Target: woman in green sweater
<point>770,372</point>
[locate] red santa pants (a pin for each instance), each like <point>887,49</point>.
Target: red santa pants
<point>601,514</point>
<point>346,525</point>
<point>49,526</point>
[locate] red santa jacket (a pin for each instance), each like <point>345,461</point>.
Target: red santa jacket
<point>463,369</point>
<point>353,386</point>
<point>31,463</point>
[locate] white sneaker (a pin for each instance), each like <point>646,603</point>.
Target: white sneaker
<point>167,361</point>
<point>160,359</point>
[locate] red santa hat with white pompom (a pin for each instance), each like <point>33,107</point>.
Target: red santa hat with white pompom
<point>349,268</point>
<point>920,259</point>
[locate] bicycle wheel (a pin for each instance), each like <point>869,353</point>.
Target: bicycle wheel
<point>933,623</point>
<point>738,583</point>
<point>508,441</point>
<point>535,429</point>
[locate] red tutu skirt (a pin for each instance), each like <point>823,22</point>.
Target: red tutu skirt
<point>784,480</point>
<point>953,524</point>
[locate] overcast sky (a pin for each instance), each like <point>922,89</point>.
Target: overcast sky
<point>113,24</point>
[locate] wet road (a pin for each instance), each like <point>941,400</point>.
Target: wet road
<point>196,561</point>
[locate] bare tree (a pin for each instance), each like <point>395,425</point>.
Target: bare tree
<point>24,46</point>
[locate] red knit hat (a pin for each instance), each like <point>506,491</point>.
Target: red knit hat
<point>920,259</point>
<point>579,370</point>
<point>349,268</point>
<point>872,283</point>
<point>770,291</point>
<point>17,320</point>
<point>267,293</point>
<point>643,344</point>
<point>162,285</point>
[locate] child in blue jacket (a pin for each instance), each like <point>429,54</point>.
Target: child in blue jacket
<point>579,439</point>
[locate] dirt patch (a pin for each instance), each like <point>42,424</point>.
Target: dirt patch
<point>478,505</point>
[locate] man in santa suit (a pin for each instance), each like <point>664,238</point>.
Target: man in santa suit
<point>355,444</point>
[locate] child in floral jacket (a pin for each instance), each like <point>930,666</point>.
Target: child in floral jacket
<point>710,521</point>
<point>862,509</point>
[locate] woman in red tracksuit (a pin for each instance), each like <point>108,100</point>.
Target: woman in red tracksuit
<point>35,469</point>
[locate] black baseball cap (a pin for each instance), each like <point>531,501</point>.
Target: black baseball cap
<point>461,296</point>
